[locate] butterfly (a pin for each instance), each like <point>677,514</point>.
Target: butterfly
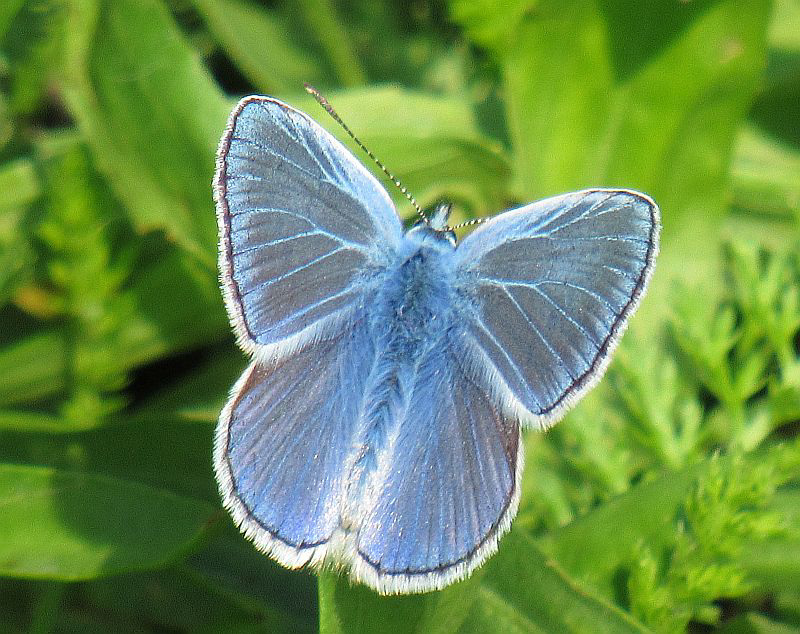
<point>377,427</point>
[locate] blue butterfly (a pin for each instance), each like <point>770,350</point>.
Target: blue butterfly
<point>378,425</point>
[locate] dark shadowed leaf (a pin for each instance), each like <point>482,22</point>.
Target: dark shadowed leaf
<point>65,526</point>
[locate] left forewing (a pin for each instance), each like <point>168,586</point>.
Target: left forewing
<point>553,285</point>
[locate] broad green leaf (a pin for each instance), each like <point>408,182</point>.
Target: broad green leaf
<point>8,10</point>
<point>594,547</point>
<point>524,590</point>
<point>754,623</point>
<point>330,31</point>
<point>260,44</point>
<point>776,107</point>
<point>151,113</point>
<point>413,112</point>
<point>519,589</point>
<point>20,186</point>
<point>23,420</point>
<point>432,143</point>
<point>595,100</point>
<point>468,174</point>
<point>491,23</point>
<point>68,525</point>
<point>33,44</point>
<point>179,306</point>
<point>346,608</point>
<point>32,368</point>
<point>766,175</point>
<point>177,599</point>
<point>236,570</point>
<point>783,31</point>
<point>198,396</point>
<point>165,453</point>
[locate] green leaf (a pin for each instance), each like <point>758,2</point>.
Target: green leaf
<point>233,568</point>
<point>151,113</point>
<point>596,546</point>
<point>7,12</point>
<point>754,623</point>
<point>519,589</point>
<point>329,30</point>
<point>164,453</point>
<point>260,43</point>
<point>69,526</point>
<point>20,186</point>
<point>432,143</point>
<point>348,609</point>
<point>198,396</point>
<point>491,23</point>
<point>523,590</point>
<point>29,421</point>
<point>175,599</point>
<point>783,32</point>
<point>179,306</point>
<point>594,100</point>
<point>32,368</point>
<point>33,44</point>
<point>766,175</point>
<point>776,106</point>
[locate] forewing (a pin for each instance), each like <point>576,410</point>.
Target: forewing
<point>303,225</point>
<point>552,285</point>
<point>448,487</point>
<point>282,445</point>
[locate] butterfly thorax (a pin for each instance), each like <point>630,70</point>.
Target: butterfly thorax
<point>415,303</point>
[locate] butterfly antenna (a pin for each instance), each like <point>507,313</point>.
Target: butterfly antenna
<point>469,223</point>
<point>329,109</point>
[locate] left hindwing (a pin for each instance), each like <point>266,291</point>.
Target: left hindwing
<point>553,284</point>
<point>448,485</point>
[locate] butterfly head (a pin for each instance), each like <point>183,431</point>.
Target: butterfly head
<point>438,219</point>
<point>436,227</point>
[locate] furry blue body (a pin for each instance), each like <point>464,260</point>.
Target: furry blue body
<point>409,312</point>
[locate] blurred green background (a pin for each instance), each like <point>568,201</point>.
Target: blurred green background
<point>667,501</point>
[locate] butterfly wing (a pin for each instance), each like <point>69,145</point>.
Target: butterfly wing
<point>283,441</point>
<point>447,488</point>
<point>302,226</point>
<point>553,284</point>
<point>304,230</point>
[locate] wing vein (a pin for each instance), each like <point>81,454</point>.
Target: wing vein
<point>564,314</point>
<point>511,363</point>
<point>538,332</point>
<point>294,271</point>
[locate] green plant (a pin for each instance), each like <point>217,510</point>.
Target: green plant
<point>666,500</point>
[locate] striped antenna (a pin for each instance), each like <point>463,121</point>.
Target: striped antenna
<point>469,223</point>
<point>329,109</point>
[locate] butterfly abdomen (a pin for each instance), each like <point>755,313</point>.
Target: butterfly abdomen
<point>410,315</point>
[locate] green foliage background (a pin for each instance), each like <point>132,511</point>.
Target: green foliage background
<point>667,500</point>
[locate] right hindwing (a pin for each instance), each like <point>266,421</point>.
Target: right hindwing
<point>284,445</point>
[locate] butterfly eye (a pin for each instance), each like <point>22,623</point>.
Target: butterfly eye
<point>450,236</point>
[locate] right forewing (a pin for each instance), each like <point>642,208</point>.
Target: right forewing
<point>302,224</point>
